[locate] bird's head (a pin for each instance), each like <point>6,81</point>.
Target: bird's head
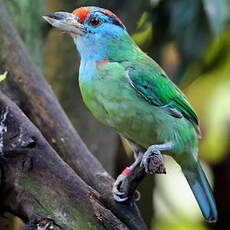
<point>96,31</point>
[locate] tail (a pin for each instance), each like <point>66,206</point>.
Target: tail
<point>202,191</point>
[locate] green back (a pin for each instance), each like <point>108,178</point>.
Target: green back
<point>150,82</point>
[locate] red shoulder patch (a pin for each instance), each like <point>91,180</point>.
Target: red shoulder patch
<point>101,62</point>
<point>82,13</point>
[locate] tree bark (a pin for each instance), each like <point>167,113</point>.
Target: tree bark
<point>37,182</point>
<point>26,86</point>
<point>27,18</point>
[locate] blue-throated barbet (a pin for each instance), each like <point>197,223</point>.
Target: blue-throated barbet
<point>129,92</point>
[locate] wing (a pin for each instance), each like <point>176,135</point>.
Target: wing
<point>158,90</point>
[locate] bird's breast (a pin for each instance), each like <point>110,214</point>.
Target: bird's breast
<point>113,102</point>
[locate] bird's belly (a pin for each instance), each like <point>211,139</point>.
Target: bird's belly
<point>129,119</point>
<point>118,106</point>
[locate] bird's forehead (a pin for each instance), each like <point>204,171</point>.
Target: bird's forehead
<point>82,12</point>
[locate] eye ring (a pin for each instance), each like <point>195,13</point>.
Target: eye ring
<point>94,21</point>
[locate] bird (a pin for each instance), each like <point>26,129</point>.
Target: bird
<point>128,91</point>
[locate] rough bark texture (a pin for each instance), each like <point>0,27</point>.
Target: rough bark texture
<point>37,182</point>
<point>26,86</point>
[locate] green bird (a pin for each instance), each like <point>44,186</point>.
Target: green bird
<point>128,91</point>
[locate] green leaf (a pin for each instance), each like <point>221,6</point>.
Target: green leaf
<point>145,36</point>
<point>142,20</point>
<point>217,13</point>
<point>3,76</point>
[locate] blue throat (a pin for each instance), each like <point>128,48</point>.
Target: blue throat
<point>88,51</point>
<point>89,56</point>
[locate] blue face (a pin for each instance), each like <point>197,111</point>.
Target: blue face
<point>98,17</point>
<point>101,29</point>
<point>97,33</point>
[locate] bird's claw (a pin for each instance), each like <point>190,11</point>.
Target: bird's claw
<point>152,161</point>
<point>117,194</point>
<point>120,196</point>
<point>137,196</point>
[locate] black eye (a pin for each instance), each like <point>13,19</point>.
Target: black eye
<point>95,21</point>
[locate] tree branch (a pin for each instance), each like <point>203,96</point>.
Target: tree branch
<point>37,182</point>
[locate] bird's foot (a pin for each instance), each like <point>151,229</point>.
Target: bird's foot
<point>153,160</point>
<point>125,184</point>
<point>119,193</point>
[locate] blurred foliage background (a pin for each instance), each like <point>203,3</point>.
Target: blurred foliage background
<point>190,39</point>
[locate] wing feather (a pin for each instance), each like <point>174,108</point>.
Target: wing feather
<point>158,90</point>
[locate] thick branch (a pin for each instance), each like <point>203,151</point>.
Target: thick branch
<point>37,182</point>
<point>27,86</point>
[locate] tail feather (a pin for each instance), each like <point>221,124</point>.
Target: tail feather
<point>202,191</point>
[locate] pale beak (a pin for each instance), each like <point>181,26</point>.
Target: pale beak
<point>66,22</point>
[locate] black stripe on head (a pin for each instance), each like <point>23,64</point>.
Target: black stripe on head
<point>114,20</point>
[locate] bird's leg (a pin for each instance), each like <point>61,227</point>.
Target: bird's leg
<point>126,183</point>
<point>152,159</point>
